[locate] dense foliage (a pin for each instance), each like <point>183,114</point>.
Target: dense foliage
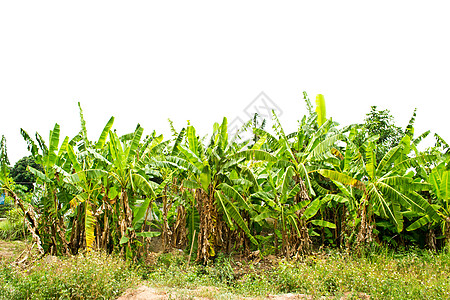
<point>21,175</point>
<point>277,192</point>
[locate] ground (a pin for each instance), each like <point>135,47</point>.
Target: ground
<point>204,293</point>
<point>11,249</point>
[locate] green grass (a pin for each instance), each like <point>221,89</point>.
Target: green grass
<point>13,227</point>
<point>409,275</point>
<point>11,231</point>
<point>93,276</point>
<point>414,274</point>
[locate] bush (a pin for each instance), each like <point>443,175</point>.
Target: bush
<point>4,208</point>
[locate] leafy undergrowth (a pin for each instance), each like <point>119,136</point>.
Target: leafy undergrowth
<point>414,274</point>
<point>12,228</point>
<point>409,275</point>
<point>91,276</point>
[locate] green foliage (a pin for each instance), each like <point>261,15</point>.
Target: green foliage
<point>380,124</point>
<point>13,227</point>
<point>278,192</point>
<point>21,175</point>
<point>4,161</point>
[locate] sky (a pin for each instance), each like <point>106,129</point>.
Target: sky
<point>147,61</point>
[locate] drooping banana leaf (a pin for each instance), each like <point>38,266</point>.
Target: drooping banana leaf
<point>312,209</point>
<point>89,226</point>
<point>419,223</point>
<point>32,147</point>
<point>235,215</point>
<point>323,223</point>
<point>232,193</point>
<point>342,178</point>
<point>149,234</point>
<point>223,209</point>
<point>191,157</point>
<point>252,154</point>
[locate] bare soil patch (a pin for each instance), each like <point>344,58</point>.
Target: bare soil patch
<point>12,249</point>
<point>204,293</point>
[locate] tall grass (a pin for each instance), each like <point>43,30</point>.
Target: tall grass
<point>93,276</point>
<point>409,275</point>
<point>415,274</point>
<point>13,227</point>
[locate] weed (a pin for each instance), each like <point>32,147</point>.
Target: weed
<point>13,227</point>
<point>92,276</point>
<point>415,274</point>
<point>384,275</point>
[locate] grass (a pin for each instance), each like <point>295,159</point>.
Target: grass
<point>12,228</point>
<point>413,274</point>
<point>91,276</point>
<point>408,275</point>
<point>11,231</point>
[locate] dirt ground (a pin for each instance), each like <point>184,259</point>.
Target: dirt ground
<point>201,293</point>
<point>11,249</point>
<point>204,293</point>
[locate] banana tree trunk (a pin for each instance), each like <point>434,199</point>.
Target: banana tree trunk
<point>430,239</point>
<point>126,219</point>
<point>76,237</point>
<point>303,243</point>
<point>365,234</point>
<point>106,232</point>
<point>447,232</point>
<point>32,223</point>
<point>275,237</point>
<point>179,234</point>
<point>165,234</point>
<point>208,219</point>
<point>61,230</point>
<point>285,249</point>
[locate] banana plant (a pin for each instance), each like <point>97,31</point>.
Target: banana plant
<point>279,208</point>
<point>385,190</point>
<point>121,173</point>
<point>439,179</point>
<point>303,152</point>
<point>440,182</point>
<point>283,211</point>
<point>208,175</point>
<point>52,194</point>
<point>174,205</point>
<point>7,187</point>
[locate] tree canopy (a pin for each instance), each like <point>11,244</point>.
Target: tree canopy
<point>21,175</point>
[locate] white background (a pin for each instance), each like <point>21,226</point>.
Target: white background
<point>146,61</point>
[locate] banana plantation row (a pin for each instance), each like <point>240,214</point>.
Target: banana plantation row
<point>280,193</point>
